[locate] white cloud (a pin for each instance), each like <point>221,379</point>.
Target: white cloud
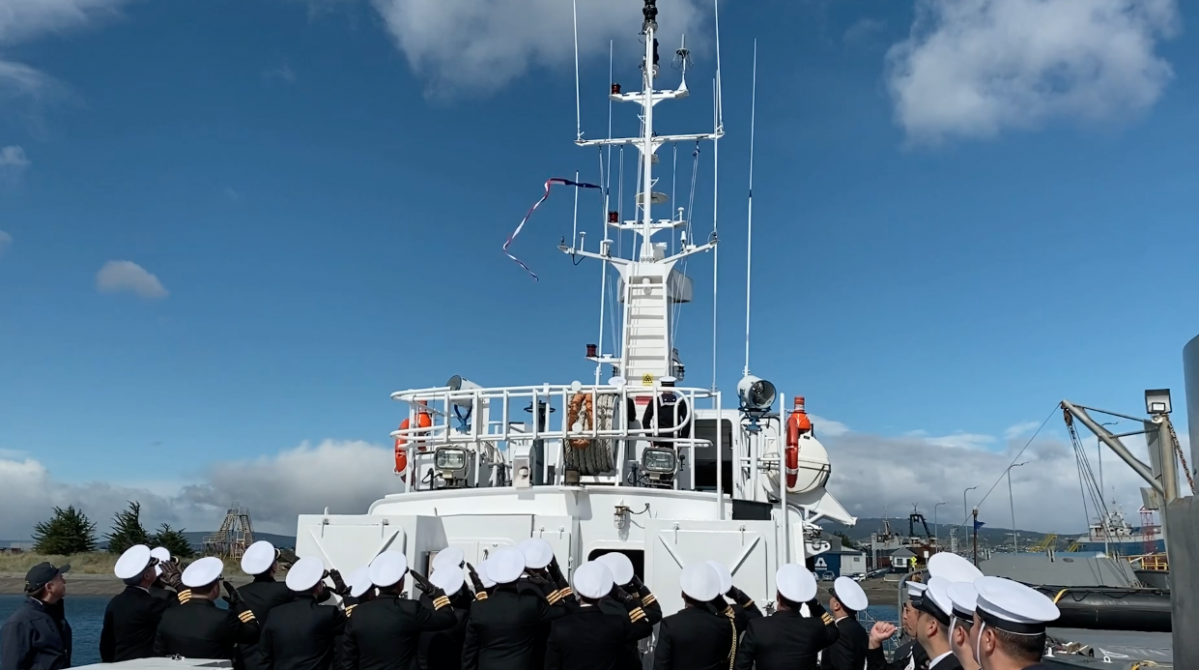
<point>232,194</point>
<point>5,241</point>
<point>283,73</point>
<point>828,427</point>
<point>13,160</point>
<point>343,476</point>
<point>117,276</point>
<point>864,30</point>
<point>476,47</point>
<point>974,68</point>
<point>1020,429</point>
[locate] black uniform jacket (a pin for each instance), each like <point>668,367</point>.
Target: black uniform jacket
<point>130,623</point>
<point>35,639</point>
<point>384,634</point>
<point>695,639</point>
<point>200,629</point>
<point>910,654</point>
<point>501,633</point>
<point>631,654</point>
<point>849,652</point>
<point>786,640</point>
<point>300,636</point>
<point>442,649</point>
<point>262,595</point>
<point>593,639</point>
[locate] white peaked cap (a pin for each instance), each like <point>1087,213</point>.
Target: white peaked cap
<point>952,568</point>
<point>938,593</point>
<point>619,565</point>
<point>505,565</point>
<point>481,570</point>
<point>962,595</point>
<point>359,581</point>
<point>538,553</point>
<point>203,572</point>
<point>850,594</point>
<point>133,562</point>
<point>796,583</point>
<point>161,553</point>
<point>450,557</point>
<point>304,575</point>
<point>726,577</point>
<point>700,581</point>
<point>1012,602</point>
<point>593,580</point>
<point>388,569</point>
<point>449,580</point>
<point>258,558</point>
<point>915,589</point>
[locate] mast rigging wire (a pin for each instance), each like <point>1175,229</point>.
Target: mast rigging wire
<point>1014,459</point>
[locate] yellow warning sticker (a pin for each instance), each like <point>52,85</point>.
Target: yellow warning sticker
<point>647,380</point>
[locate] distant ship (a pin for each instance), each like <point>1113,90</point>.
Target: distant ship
<point>1114,535</point>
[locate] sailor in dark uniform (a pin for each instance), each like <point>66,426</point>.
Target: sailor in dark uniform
<point>301,634</point>
<point>361,591</point>
<point>909,656</point>
<point>37,635</point>
<point>262,595</point>
<point>168,584</point>
<point>384,634</point>
<point>502,630</point>
<point>628,584</point>
<point>198,628</point>
<point>442,650</point>
<point>849,653</point>
<point>592,638</point>
<point>666,414</point>
<point>787,640</point>
<point>742,609</point>
<point>932,625</point>
<point>962,596</point>
<point>1009,625</point>
<point>132,616</point>
<point>695,638</point>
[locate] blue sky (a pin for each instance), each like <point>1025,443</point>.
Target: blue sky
<point>314,195</point>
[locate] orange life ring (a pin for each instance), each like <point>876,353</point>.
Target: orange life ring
<point>580,403</point>
<point>423,420</point>
<point>797,424</point>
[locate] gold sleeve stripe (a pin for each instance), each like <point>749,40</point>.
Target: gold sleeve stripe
<point>481,595</point>
<point>565,592</point>
<point>350,610</point>
<point>246,616</point>
<point>636,615</point>
<point>827,619</point>
<point>185,595</point>
<point>748,604</point>
<point>649,599</point>
<point>440,602</point>
<point>553,596</point>
<point>728,612</point>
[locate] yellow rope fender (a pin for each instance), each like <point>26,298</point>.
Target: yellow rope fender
<point>581,403</point>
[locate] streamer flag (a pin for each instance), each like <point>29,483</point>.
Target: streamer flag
<point>549,183</point>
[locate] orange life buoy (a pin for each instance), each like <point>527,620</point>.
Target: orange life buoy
<point>798,423</point>
<point>580,403</point>
<point>423,420</point>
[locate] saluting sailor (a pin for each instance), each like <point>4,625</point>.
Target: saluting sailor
<point>501,633</point>
<point>694,638</point>
<point>849,653</point>
<point>786,640</point>
<point>384,634</point>
<point>592,638</point>
<point>628,592</point>
<point>1009,625</point>
<point>198,628</point>
<point>537,578</point>
<point>442,650</point>
<point>361,591</point>
<point>743,609</point>
<point>301,635</point>
<point>261,561</point>
<point>168,583</point>
<point>909,656</point>
<point>131,617</point>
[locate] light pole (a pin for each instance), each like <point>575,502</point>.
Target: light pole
<point>1012,503</point>
<point>936,528</point>
<point>966,510</point>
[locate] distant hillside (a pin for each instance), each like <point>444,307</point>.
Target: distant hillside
<point>987,535</point>
<point>280,541</point>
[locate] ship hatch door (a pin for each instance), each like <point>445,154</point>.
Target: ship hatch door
<point>349,542</point>
<point>746,548</point>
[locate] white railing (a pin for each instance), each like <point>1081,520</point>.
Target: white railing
<point>484,418</point>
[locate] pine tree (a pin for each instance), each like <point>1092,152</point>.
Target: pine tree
<point>68,532</point>
<point>127,530</point>
<point>174,541</point>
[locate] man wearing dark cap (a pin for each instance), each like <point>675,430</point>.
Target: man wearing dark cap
<point>37,636</point>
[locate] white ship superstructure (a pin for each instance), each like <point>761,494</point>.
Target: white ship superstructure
<point>640,463</point>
